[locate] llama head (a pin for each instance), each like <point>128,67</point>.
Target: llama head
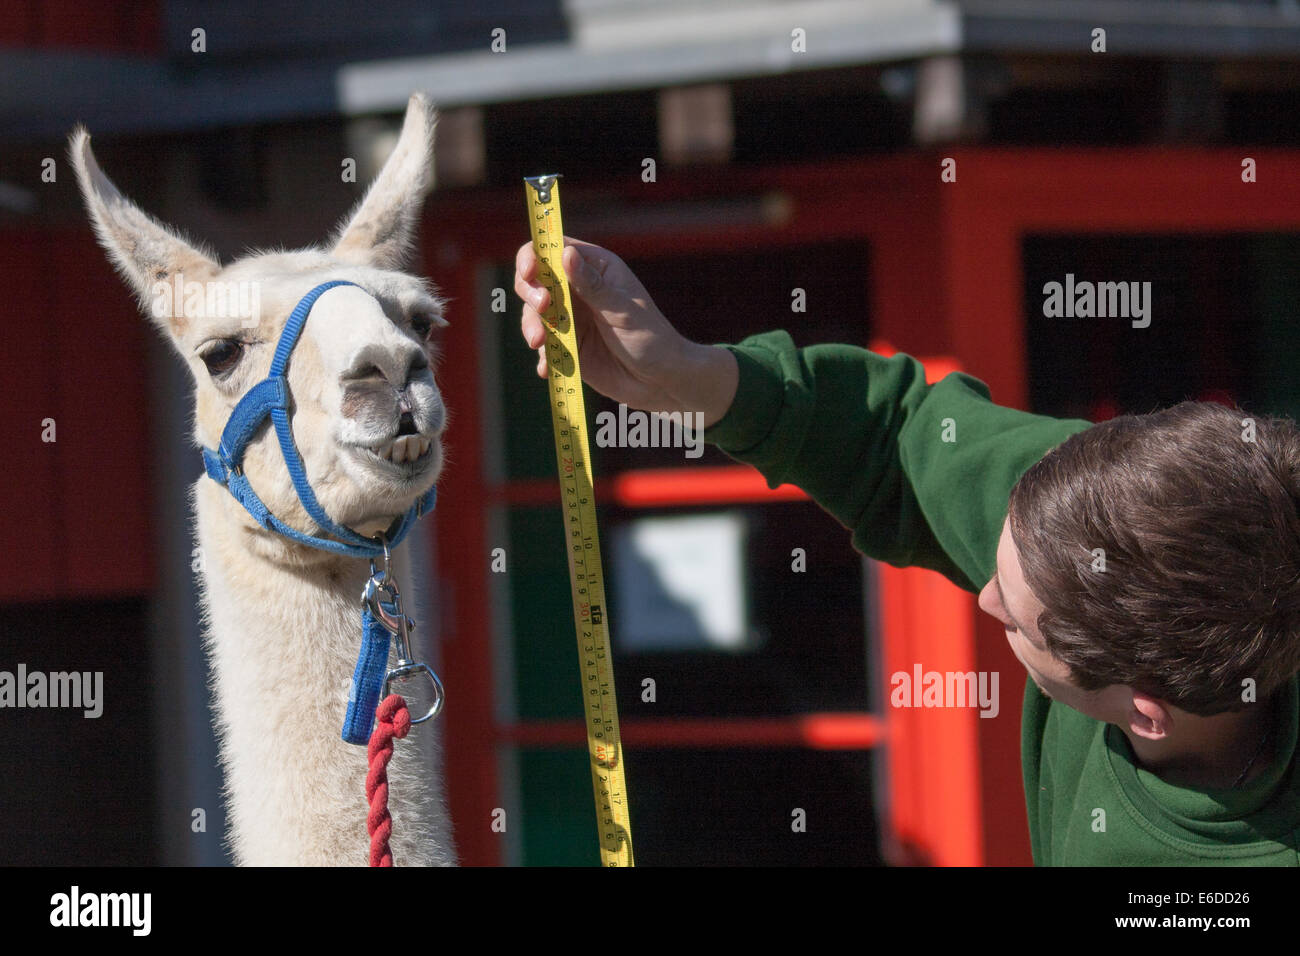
<point>367,417</point>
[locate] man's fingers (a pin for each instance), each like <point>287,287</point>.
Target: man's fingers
<point>526,262</point>
<point>587,274</point>
<point>531,326</point>
<point>585,265</point>
<point>534,295</point>
<point>589,251</point>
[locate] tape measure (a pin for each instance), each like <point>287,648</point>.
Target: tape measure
<point>586,577</point>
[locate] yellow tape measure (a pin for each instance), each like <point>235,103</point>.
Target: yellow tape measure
<point>586,577</point>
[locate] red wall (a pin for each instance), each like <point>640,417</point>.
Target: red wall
<point>119,26</point>
<point>75,515</point>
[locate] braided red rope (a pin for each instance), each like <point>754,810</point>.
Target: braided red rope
<point>392,719</point>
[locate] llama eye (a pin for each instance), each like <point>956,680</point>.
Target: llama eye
<point>222,357</point>
<point>422,324</point>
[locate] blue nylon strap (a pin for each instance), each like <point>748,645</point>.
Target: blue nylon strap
<point>299,476</point>
<point>367,680</point>
<point>263,398</point>
<point>215,467</point>
<point>280,417</point>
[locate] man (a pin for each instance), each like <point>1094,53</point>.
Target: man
<point>1147,569</point>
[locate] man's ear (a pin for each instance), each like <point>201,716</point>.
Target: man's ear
<point>145,251</point>
<point>1150,717</point>
<point>380,232</point>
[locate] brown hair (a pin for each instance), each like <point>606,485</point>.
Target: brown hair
<point>1199,530</point>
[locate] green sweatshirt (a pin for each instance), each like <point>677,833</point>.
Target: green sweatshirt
<point>921,475</point>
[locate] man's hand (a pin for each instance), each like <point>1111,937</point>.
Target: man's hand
<point>628,351</point>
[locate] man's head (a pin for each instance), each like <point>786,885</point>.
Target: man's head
<point>1158,555</point>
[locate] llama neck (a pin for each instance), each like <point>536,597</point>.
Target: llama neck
<point>284,629</point>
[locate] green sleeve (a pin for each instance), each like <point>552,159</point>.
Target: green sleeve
<point>919,473</point>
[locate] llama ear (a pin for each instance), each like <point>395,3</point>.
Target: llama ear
<point>144,250</point>
<point>381,230</point>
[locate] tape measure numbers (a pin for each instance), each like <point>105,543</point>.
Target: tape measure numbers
<point>582,543</point>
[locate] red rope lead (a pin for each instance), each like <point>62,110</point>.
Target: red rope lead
<point>392,719</point>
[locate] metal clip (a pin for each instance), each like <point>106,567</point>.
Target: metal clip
<point>543,186</point>
<point>405,670</point>
<point>390,614</point>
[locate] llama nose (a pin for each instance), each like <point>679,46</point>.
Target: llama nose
<point>404,366</point>
<point>396,367</point>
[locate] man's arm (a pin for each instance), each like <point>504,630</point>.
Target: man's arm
<point>919,473</point>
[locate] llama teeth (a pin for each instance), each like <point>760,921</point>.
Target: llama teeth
<point>407,448</point>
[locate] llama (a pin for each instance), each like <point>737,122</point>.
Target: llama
<point>282,619</point>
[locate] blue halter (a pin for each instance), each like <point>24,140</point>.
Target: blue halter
<point>270,398</point>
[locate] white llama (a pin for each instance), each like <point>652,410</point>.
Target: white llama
<point>283,619</point>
